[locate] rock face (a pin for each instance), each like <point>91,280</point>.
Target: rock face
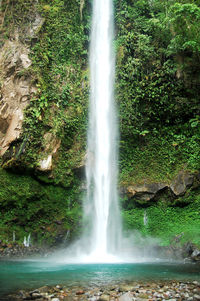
<point>51,145</point>
<point>183,181</point>
<point>35,26</point>
<point>17,86</point>
<point>16,91</point>
<point>196,255</point>
<point>146,192</point>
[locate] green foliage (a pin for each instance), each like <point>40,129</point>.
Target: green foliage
<point>157,88</point>
<point>56,117</point>
<point>59,71</point>
<point>184,19</point>
<point>35,208</point>
<point>166,221</point>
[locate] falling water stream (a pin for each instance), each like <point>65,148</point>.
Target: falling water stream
<point>102,201</point>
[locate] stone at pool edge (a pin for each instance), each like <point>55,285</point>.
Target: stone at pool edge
<point>126,297</point>
<point>80,292</point>
<point>104,298</point>
<point>126,288</point>
<point>172,290</point>
<point>195,255</point>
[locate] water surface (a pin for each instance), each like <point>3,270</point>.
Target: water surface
<point>16,275</point>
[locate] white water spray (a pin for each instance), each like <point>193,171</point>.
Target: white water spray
<point>101,208</point>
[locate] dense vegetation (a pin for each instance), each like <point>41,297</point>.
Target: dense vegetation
<point>157,81</point>
<point>157,87</point>
<point>56,116</point>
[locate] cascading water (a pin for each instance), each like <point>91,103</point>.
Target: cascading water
<point>102,239</point>
<point>101,208</point>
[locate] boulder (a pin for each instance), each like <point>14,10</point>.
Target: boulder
<point>125,288</point>
<point>126,297</point>
<point>45,164</point>
<point>145,192</point>
<point>104,298</point>
<point>196,255</point>
<point>182,182</point>
<point>51,145</point>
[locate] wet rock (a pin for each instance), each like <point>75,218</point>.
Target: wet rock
<point>182,181</point>
<point>93,298</point>
<point>196,255</point>
<point>18,250</point>
<point>126,297</point>
<point>81,292</point>
<point>45,164</point>
<point>145,192</point>
<point>145,296</point>
<point>104,298</point>
<point>51,296</point>
<point>36,295</point>
<point>43,289</point>
<point>23,294</point>
<point>152,291</point>
<point>51,146</point>
<point>125,288</point>
<point>188,249</point>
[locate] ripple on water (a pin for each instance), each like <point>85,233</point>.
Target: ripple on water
<point>30,274</point>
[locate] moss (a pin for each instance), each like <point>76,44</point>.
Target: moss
<point>59,70</point>
<point>158,110</point>
<point>27,206</point>
<point>31,201</point>
<point>165,221</point>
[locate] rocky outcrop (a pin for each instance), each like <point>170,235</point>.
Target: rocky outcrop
<point>15,250</point>
<point>182,181</point>
<point>196,255</point>
<point>17,86</point>
<point>146,192</point>
<point>16,91</point>
<point>35,26</point>
<point>51,146</point>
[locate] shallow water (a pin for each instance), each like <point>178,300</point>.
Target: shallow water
<point>16,275</point>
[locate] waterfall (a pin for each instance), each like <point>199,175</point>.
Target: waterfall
<point>13,236</point>
<point>26,241</point>
<point>145,218</point>
<point>102,240</point>
<point>101,209</point>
